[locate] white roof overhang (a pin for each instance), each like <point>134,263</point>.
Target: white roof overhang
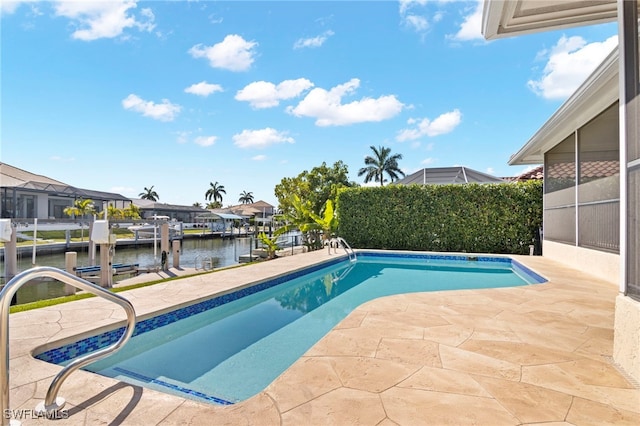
<point>598,92</point>
<point>505,18</point>
<point>224,216</point>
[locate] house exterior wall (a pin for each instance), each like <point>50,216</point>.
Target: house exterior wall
<point>601,264</point>
<point>626,335</point>
<point>626,348</point>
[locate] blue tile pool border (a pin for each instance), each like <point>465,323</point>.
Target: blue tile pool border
<point>89,344</point>
<point>180,389</point>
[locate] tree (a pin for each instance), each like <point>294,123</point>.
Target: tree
<point>246,197</point>
<point>381,162</point>
<point>317,186</point>
<point>131,212</point>
<point>197,204</point>
<point>114,212</point>
<point>149,194</point>
<point>213,205</point>
<point>308,222</point>
<point>80,209</point>
<point>215,192</point>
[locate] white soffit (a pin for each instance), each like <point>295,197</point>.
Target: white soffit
<point>505,18</point>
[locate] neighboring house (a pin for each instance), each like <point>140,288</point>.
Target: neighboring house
<point>590,149</point>
<point>149,208</point>
<point>26,195</point>
<point>448,175</point>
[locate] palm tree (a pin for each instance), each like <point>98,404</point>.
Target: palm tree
<point>382,162</point>
<point>197,204</point>
<point>213,205</point>
<point>149,194</point>
<point>246,197</point>
<point>215,192</point>
<point>80,209</point>
<point>131,211</point>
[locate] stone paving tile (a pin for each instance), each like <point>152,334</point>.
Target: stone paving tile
<point>451,335</point>
<point>472,362</point>
<point>339,407</point>
<point>518,352</point>
<point>446,381</point>
<point>419,407</point>
<point>261,410</point>
<point>536,354</point>
<point>371,374</point>
<point>529,403</point>
<point>304,381</point>
<point>591,413</point>
<point>410,351</point>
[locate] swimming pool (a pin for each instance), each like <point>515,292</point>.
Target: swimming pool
<point>228,348</point>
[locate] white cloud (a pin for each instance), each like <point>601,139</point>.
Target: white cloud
<point>126,190</point>
<point>10,6</point>
<point>260,157</point>
<point>428,161</point>
<point>417,23</point>
<point>205,140</point>
<point>445,123</point>
<point>263,94</point>
<point>233,53</point>
<point>569,63</point>
<point>313,41</point>
<point>62,159</point>
<point>203,88</point>
<point>183,137</point>
<point>412,19</point>
<point>491,170</point>
<point>471,28</point>
<point>261,138</point>
<point>105,19</point>
<point>405,5</point>
<point>328,110</point>
<point>165,111</point>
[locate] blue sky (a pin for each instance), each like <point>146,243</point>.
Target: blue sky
<point>122,95</point>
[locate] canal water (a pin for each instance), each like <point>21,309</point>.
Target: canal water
<point>221,252</point>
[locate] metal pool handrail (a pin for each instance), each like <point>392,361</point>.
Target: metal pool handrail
<point>52,403</point>
<point>348,249</point>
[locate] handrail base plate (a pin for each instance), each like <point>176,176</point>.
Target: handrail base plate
<point>42,409</point>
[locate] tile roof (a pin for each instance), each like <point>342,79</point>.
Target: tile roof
<point>588,170</point>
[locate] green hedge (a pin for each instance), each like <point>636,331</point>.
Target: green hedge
<point>475,218</point>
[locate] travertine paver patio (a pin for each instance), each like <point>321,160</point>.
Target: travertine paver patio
<point>523,355</point>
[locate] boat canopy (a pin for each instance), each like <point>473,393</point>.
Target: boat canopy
<point>213,216</point>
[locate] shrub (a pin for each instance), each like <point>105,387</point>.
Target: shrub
<point>479,218</point>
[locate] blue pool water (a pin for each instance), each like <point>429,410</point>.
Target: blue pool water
<point>229,348</point>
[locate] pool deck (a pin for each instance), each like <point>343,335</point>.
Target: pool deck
<point>510,356</point>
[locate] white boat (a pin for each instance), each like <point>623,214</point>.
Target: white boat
<point>149,230</point>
